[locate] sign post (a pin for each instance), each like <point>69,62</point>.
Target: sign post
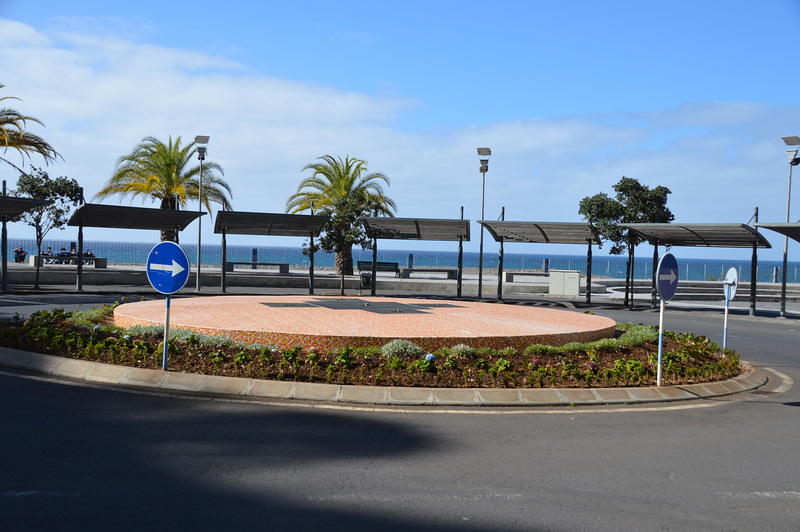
<point>167,271</point>
<point>667,283</point>
<point>730,284</point>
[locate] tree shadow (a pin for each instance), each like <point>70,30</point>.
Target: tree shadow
<point>81,458</point>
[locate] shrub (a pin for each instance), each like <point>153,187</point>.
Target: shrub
<point>402,348</point>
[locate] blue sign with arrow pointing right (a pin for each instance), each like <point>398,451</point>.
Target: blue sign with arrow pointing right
<point>667,276</point>
<point>167,267</point>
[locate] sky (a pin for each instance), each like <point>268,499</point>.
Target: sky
<point>569,96</point>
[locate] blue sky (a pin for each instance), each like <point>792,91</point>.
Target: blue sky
<point>570,96</point>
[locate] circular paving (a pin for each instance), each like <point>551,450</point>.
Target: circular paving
<point>327,322</point>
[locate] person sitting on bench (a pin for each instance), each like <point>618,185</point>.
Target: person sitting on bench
<point>20,254</point>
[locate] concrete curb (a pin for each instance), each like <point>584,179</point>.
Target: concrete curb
<point>376,395</point>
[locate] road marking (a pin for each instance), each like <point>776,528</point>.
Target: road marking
<point>759,495</point>
<point>787,381</point>
<point>416,497</point>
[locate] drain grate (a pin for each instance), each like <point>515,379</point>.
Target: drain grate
<point>764,393</point>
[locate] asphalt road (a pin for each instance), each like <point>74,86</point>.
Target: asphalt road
<point>79,457</point>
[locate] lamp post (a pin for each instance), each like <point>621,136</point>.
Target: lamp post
<point>201,141</point>
<point>483,156</point>
<point>792,143</point>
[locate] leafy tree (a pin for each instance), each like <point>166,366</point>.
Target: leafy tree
<point>14,135</point>
<point>633,203</point>
<point>64,192</point>
<point>343,190</point>
<point>164,172</point>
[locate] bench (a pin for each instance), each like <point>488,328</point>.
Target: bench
<point>366,266</point>
<point>510,275</point>
<point>98,262</point>
<point>283,267</point>
<point>452,273</point>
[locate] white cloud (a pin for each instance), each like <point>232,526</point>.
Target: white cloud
<point>99,95</point>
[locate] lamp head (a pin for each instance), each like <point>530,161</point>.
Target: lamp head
<point>484,154</point>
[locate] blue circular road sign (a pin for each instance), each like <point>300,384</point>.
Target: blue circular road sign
<point>167,267</point>
<point>667,276</point>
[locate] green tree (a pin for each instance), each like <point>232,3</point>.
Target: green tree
<point>14,135</point>
<point>343,190</point>
<point>633,203</point>
<point>64,192</point>
<point>167,173</point>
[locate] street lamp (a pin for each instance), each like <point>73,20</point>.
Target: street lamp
<point>201,141</point>
<point>791,153</point>
<point>483,156</point>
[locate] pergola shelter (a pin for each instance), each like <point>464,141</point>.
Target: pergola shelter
<point>726,235</point>
<point>11,207</point>
<point>388,228</point>
<point>789,230</point>
<point>122,217</point>
<point>543,233</point>
<point>268,224</point>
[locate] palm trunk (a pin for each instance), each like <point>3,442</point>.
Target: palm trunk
<point>344,261</point>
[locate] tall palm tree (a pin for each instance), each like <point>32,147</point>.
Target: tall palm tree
<point>14,135</point>
<point>344,190</point>
<point>165,172</point>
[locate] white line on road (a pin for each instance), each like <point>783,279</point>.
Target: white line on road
<point>787,381</point>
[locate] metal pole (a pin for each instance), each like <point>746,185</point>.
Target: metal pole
<point>480,254</point>
<point>786,245</point>
<point>589,273</point>
<point>500,262</point>
<point>201,155</point>
<point>460,259</point>
<point>166,336</point>
<point>5,247</point>
<point>754,273</point>
<point>222,278</point>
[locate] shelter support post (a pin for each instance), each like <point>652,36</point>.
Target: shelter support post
<point>79,282</point>
<point>460,259</point>
<point>222,279</point>
<point>5,246</point>
<point>311,265</point>
<point>654,293</point>
<point>500,261</point>
<point>753,279</point>
<point>589,273</point>
<point>754,271</point>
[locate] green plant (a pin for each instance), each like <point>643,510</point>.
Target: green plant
<point>401,348</point>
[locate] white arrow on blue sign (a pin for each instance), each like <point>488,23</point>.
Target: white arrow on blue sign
<point>167,267</point>
<point>667,276</point>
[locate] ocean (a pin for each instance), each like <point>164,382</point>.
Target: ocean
<point>602,266</point>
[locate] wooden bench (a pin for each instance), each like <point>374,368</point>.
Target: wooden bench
<point>98,262</point>
<point>366,266</point>
<point>510,275</point>
<point>283,267</point>
<point>452,273</point>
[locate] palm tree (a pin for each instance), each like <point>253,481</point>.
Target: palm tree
<point>344,190</point>
<point>13,135</point>
<point>164,172</point>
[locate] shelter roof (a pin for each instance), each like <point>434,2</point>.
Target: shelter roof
<point>786,229</point>
<point>701,235</point>
<point>12,206</point>
<point>415,228</point>
<point>123,217</point>
<point>268,224</point>
<point>542,232</point>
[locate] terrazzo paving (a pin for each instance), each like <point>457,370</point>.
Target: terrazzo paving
<point>333,322</point>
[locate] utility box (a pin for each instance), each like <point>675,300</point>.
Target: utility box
<point>565,283</point>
